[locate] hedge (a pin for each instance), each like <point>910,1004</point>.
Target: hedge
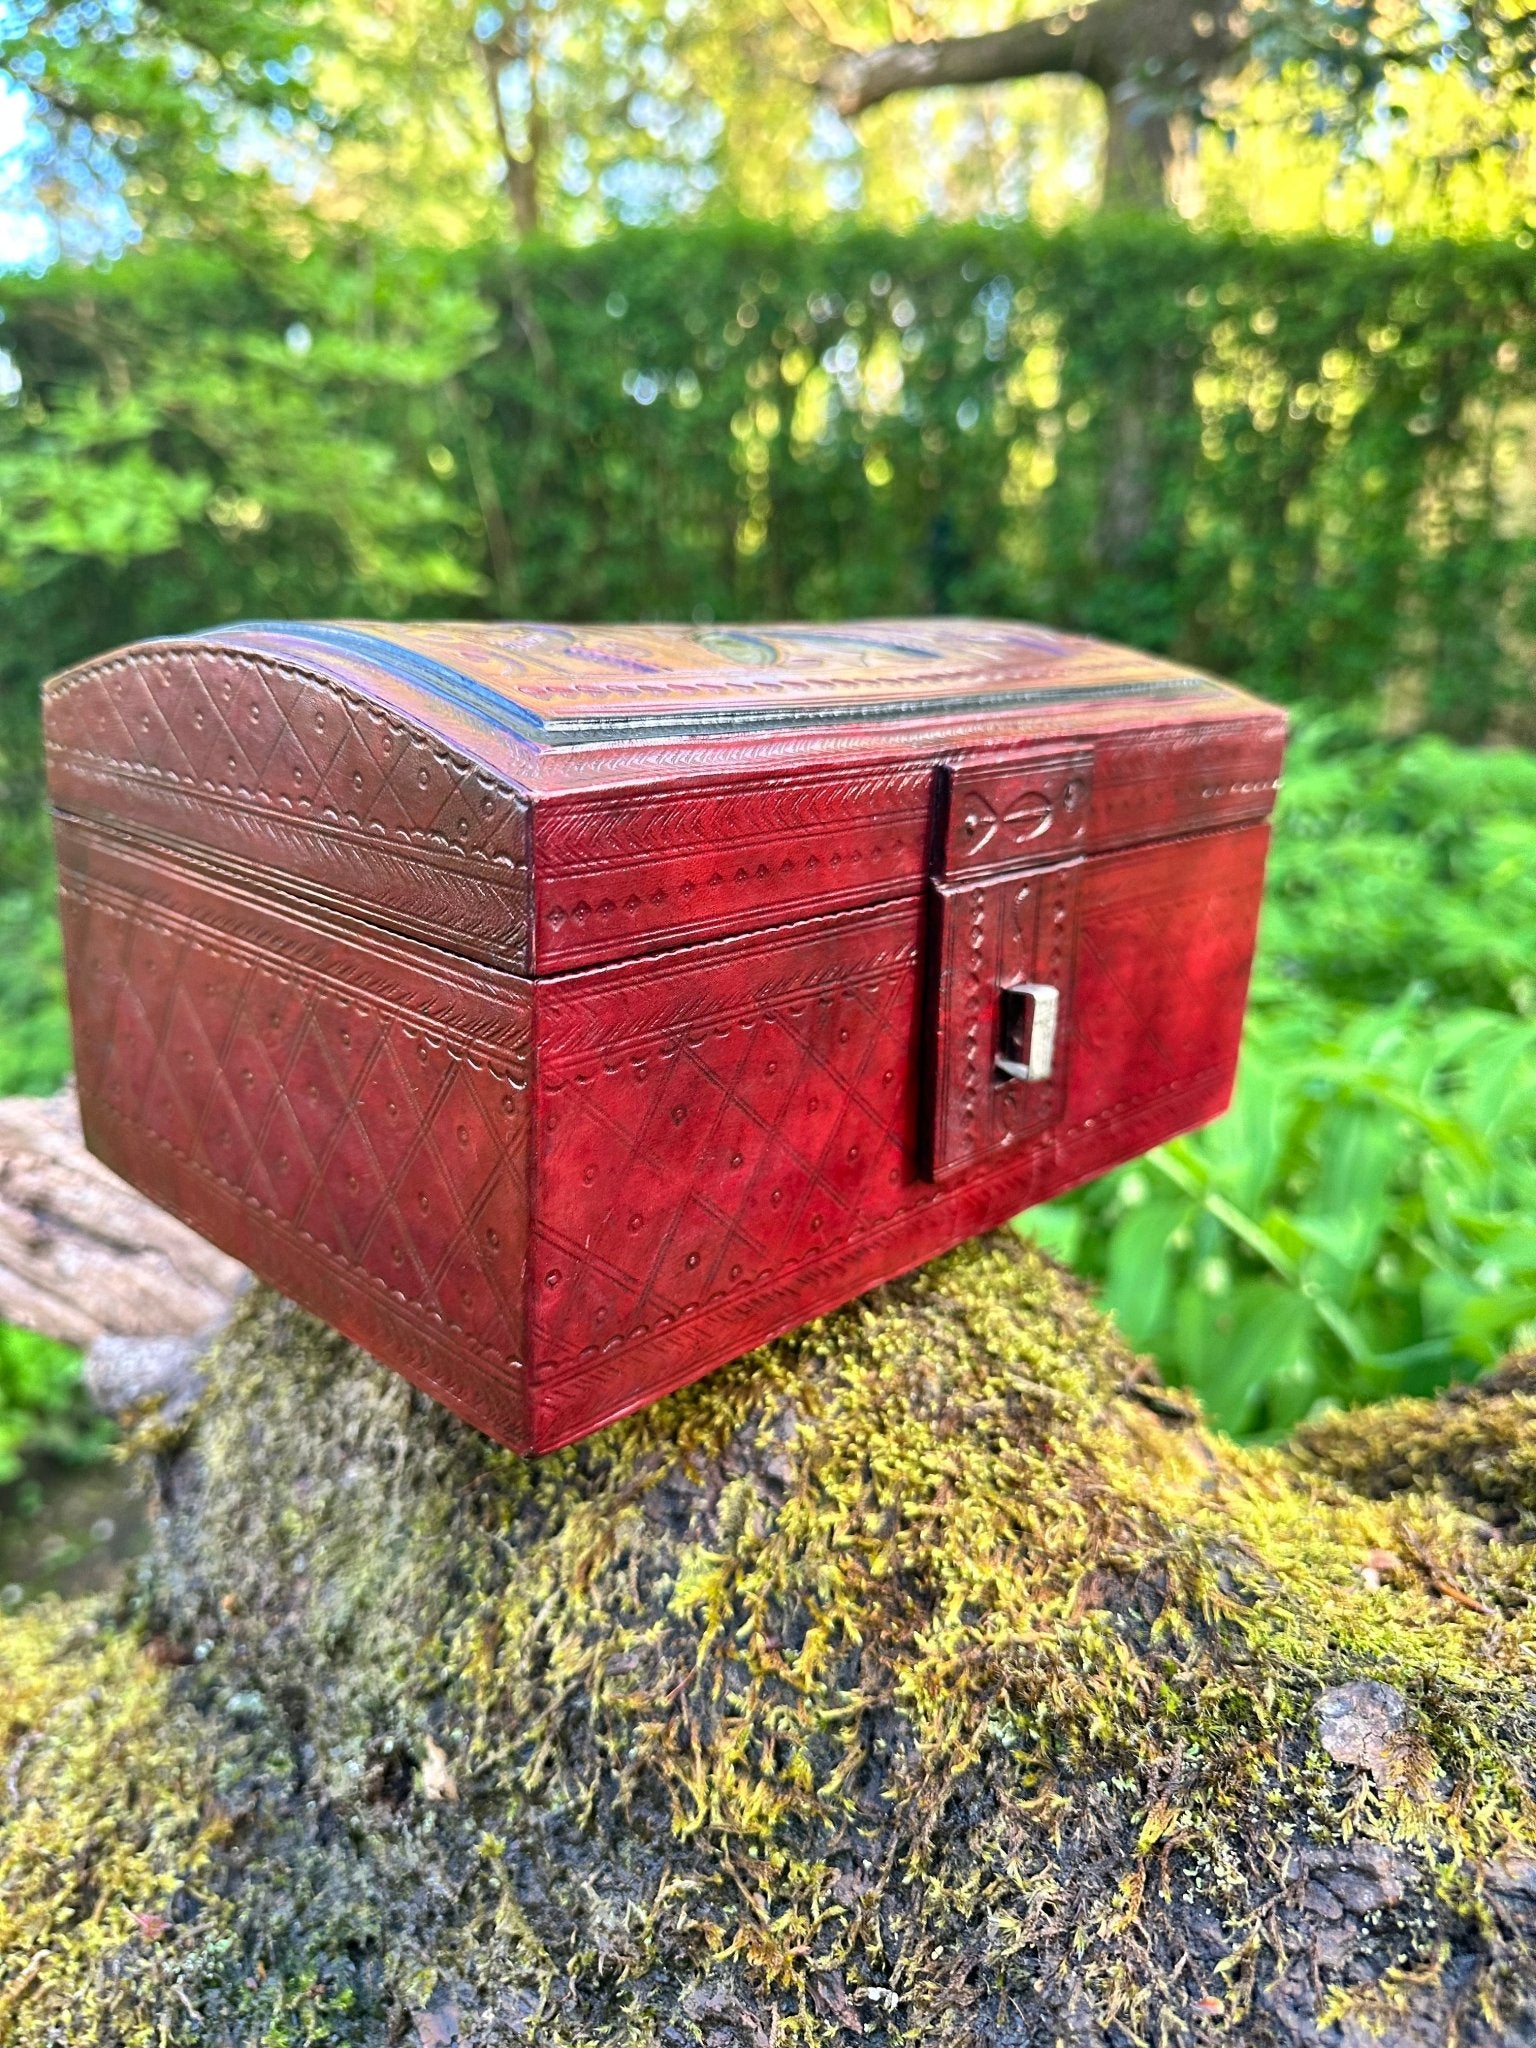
<point>1301,462</point>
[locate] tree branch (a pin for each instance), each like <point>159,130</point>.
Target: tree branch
<point>1167,49</point>
<point>1027,49</point>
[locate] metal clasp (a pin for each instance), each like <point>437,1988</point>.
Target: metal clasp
<point>1011,832</point>
<point>1027,1018</point>
<point>1000,1011</point>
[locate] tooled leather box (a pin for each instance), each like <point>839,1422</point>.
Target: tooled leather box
<point>560,1012</point>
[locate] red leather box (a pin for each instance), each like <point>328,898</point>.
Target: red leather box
<point>562,1011</point>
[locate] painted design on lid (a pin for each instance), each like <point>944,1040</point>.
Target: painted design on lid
<point>708,658</point>
<point>578,685</point>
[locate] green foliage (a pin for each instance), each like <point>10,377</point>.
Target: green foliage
<point>1402,862</point>
<point>191,442</point>
<point>1282,460</point>
<point>1372,56</point>
<point>1361,1223</point>
<point>136,113</point>
<point>34,1023</point>
<point>1297,462</point>
<point>42,1410</point>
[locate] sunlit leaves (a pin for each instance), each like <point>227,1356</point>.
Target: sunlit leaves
<point>450,119</point>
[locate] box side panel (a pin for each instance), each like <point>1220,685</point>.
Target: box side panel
<point>347,1118</point>
<point>1184,776</point>
<point>619,872</point>
<point>622,871</point>
<point>706,1127</point>
<point>1165,948</point>
<point>282,772</point>
<point>728,1142</point>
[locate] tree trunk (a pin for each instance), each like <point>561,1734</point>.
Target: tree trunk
<point>930,1677</point>
<point>523,188</point>
<point>1138,153</point>
<point>520,170</point>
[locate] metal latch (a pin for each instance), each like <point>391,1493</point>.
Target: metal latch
<point>1000,1000</point>
<point>1027,1014</point>
<point>1008,852</point>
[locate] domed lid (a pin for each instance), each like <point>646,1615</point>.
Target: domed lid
<point>569,686</point>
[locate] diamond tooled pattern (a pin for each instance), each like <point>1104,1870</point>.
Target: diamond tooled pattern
<point>695,1161</point>
<point>379,1138</point>
<point>261,733</point>
<point>259,759</point>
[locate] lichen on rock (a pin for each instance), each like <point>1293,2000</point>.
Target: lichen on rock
<point>923,1678</point>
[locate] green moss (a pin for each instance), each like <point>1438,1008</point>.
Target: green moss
<point>914,1676</point>
<point>1475,1446</point>
<point>104,1838</point>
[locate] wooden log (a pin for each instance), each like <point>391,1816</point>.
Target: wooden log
<point>930,1677</point>
<point>84,1255</point>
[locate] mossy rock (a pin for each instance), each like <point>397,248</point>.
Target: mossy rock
<point>928,1677</point>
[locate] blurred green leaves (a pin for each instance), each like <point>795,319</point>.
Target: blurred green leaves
<point>1363,1221</point>
<point>181,451</point>
<point>1304,463</point>
<point>1397,863</point>
<point>42,1410</point>
<point>34,1022</point>
<point>137,112</point>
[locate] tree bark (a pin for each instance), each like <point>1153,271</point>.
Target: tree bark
<point>930,1677</point>
<point>1149,58</point>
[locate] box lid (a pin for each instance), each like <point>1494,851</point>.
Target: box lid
<point>544,796</point>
